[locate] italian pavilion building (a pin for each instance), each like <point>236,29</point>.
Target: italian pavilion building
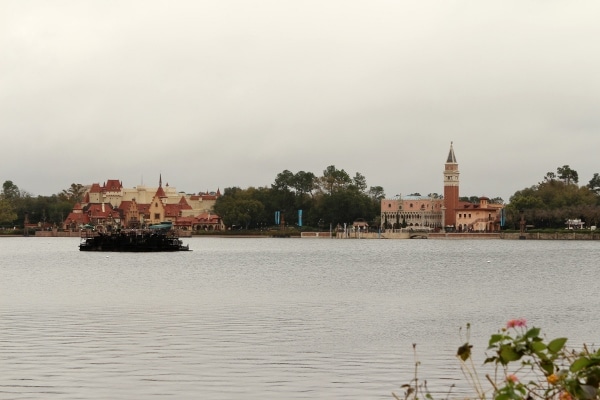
<point>447,212</point>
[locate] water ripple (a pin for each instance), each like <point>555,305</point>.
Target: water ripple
<point>271,319</point>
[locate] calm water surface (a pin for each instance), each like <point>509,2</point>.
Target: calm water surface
<point>275,318</point>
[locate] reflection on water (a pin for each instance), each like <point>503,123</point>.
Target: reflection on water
<point>273,318</point>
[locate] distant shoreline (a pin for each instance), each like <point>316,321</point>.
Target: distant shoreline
<point>571,235</point>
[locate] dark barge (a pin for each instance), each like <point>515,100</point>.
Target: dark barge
<point>154,239</point>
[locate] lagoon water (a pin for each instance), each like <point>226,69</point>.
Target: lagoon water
<point>275,318</point>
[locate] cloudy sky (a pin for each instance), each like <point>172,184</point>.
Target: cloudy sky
<point>214,94</point>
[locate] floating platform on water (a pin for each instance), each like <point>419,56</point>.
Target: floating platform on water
<point>132,240</point>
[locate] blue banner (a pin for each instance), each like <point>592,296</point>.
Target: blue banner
<point>277,217</point>
<point>299,217</point>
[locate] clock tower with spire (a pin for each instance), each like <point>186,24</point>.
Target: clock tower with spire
<point>451,184</point>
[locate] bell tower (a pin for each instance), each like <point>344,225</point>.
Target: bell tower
<point>451,184</point>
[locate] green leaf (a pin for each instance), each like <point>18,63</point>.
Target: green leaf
<point>538,347</point>
<point>532,333</point>
<point>502,396</point>
<point>556,345</point>
<point>508,354</point>
<point>579,364</point>
<point>495,339</point>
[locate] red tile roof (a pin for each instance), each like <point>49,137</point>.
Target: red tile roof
<point>160,192</point>
<point>183,204</point>
<point>172,210</point>
<point>77,218</point>
<point>113,185</point>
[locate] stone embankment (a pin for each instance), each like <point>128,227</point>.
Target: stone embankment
<point>571,235</point>
<point>459,236</point>
<point>55,233</point>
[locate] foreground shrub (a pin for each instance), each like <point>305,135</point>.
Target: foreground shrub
<point>525,368</point>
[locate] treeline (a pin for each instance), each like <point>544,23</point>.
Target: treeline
<point>16,205</point>
<point>558,198</point>
<point>330,199</point>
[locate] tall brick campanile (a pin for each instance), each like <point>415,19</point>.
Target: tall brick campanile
<point>451,188</point>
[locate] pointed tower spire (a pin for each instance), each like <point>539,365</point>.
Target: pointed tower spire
<point>160,191</point>
<point>451,157</point>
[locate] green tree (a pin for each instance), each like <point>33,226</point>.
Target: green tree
<point>284,181</point>
<point>360,182</point>
<point>470,199</point>
<point>10,191</point>
<point>334,179</point>
<point>7,212</point>
<point>550,176</point>
<point>567,174</point>
<point>73,194</point>
<point>376,193</point>
<point>236,207</point>
<point>594,184</point>
<point>550,203</point>
<point>15,201</point>
<point>304,183</point>
<point>346,206</point>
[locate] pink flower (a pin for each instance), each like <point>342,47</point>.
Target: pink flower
<point>512,378</point>
<point>516,323</point>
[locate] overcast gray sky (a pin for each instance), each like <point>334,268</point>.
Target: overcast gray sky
<point>213,94</point>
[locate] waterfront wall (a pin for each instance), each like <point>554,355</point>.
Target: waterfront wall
<point>482,236</point>
<point>320,235</point>
<point>55,233</point>
<point>454,236</point>
<point>572,235</point>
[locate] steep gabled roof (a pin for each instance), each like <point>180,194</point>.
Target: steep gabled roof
<point>160,192</point>
<point>451,157</point>
<point>127,205</point>
<point>77,218</point>
<point>183,204</point>
<point>95,188</point>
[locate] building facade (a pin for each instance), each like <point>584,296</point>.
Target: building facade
<point>447,212</point>
<point>111,204</point>
<point>412,212</point>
